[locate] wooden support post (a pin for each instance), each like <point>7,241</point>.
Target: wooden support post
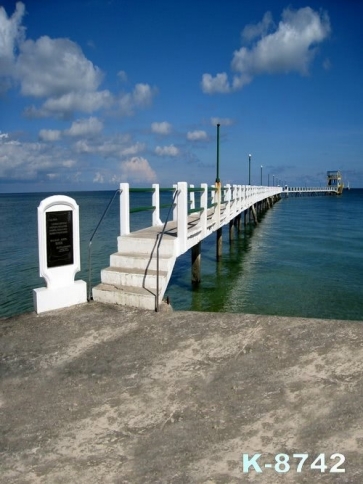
<point>219,243</point>
<point>239,223</point>
<point>196,262</point>
<point>230,231</point>
<point>253,210</point>
<point>245,217</point>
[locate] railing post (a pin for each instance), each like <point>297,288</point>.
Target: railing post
<point>235,201</point>
<point>204,206</point>
<point>182,221</point>
<point>191,199</point>
<point>175,208</point>
<point>156,203</point>
<point>124,209</point>
<point>228,200</point>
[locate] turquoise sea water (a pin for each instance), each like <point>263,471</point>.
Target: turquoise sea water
<point>305,257</point>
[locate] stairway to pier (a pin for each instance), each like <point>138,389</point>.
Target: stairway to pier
<point>131,278</point>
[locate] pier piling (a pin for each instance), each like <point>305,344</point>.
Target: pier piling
<point>196,263</point>
<point>219,243</point>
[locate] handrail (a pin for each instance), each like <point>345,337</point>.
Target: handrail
<point>90,243</point>
<point>159,239</point>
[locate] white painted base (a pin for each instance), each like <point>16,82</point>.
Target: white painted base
<point>49,299</point>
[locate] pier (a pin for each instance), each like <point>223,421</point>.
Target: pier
<point>140,270</point>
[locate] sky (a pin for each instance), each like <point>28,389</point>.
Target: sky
<point>98,92</point>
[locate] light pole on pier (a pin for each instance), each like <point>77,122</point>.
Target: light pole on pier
<point>261,175</point>
<point>273,180</point>
<point>217,177</point>
<point>249,169</point>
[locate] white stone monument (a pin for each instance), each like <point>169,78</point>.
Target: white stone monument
<point>59,255</point>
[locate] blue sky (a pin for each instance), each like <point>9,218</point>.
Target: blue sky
<point>97,92</point>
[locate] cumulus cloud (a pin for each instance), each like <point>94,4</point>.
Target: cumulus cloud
<point>57,74</point>
<point>141,97</point>
<point>291,47</point>
<point>11,34</point>
<point>81,127</point>
<point>122,76</point>
<point>219,83</point>
<point>133,149</point>
<point>197,135</point>
<point>138,169</point>
<point>170,150</point>
<point>261,29</point>
<point>161,128</point>
<point>28,161</point>
<point>115,147</point>
<point>50,134</point>
<point>54,67</point>
<point>85,127</point>
<point>221,121</point>
<point>98,178</point>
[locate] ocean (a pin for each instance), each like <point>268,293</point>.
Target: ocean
<point>304,258</point>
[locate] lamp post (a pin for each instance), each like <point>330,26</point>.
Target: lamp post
<point>261,175</point>
<point>273,180</point>
<point>217,178</point>
<point>249,169</point>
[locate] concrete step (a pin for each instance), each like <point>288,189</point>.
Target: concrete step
<point>132,260</point>
<point>123,276</point>
<point>146,245</point>
<point>124,296</point>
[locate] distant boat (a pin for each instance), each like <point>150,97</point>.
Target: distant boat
<point>348,187</point>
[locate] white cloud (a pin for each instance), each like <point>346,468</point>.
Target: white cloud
<point>54,67</point>
<point>4,135</point>
<point>122,76</point>
<point>50,134</point>
<point>219,83</point>
<point>25,161</point>
<point>250,32</point>
<point>81,127</point>
<point>138,169</point>
<point>11,34</point>
<point>98,178</point>
<point>133,149</point>
<point>221,121</point>
<point>69,163</point>
<point>141,97</point>
<point>114,147</point>
<point>170,150</point>
<point>197,135</point>
<point>161,128</point>
<point>57,73</point>
<point>74,101</point>
<point>85,127</point>
<point>290,48</point>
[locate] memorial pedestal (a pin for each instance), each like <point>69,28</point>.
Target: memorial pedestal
<point>59,255</point>
<point>46,299</point>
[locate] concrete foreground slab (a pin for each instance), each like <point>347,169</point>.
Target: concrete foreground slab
<point>104,394</point>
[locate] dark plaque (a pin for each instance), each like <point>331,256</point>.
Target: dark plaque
<point>59,227</point>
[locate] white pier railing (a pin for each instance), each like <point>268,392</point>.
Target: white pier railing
<point>217,207</point>
<point>328,189</point>
<point>140,270</point>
